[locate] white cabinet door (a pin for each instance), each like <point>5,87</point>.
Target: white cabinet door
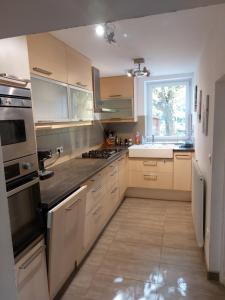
<point>14,57</point>
<point>182,171</point>
<point>31,275</point>
<point>66,238</point>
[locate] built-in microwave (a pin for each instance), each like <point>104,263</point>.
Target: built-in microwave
<point>16,123</point>
<point>26,218</point>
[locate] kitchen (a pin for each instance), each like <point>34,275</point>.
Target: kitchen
<point>106,157</point>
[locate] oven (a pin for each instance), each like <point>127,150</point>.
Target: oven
<point>26,218</point>
<point>16,123</point>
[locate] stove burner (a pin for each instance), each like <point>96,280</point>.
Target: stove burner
<point>103,153</point>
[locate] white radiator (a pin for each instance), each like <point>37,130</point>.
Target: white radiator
<point>198,202</point>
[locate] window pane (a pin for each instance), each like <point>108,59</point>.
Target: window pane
<point>169,110</point>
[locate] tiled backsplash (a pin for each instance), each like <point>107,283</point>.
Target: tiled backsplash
<point>73,139</point>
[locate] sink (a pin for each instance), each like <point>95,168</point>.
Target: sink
<point>152,150</point>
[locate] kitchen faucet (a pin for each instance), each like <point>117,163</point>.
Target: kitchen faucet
<point>153,139</point>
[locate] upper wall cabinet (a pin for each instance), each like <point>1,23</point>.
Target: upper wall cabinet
<point>14,57</point>
<point>116,87</point>
<point>79,69</point>
<point>47,56</point>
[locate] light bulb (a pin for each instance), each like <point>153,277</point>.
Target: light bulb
<point>100,30</point>
<point>129,74</point>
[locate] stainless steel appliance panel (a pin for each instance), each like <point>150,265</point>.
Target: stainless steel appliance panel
<point>17,132</point>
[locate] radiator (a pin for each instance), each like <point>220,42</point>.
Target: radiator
<point>198,203</point>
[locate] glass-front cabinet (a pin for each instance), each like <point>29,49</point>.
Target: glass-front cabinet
<point>56,102</point>
<point>81,104</point>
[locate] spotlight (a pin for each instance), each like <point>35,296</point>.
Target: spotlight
<point>100,30</point>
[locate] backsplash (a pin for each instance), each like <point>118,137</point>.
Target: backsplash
<point>73,139</point>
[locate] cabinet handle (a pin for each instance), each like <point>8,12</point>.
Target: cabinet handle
<point>42,71</point>
<point>72,205</point>
<point>113,174</point>
<point>97,210</point>
<point>150,177</point>
<point>150,163</point>
<point>113,191</point>
<point>97,189</point>
<point>183,156</point>
<point>32,258</point>
<point>114,96</point>
<point>81,84</point>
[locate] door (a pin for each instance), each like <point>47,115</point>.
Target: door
<point>122,176</point>
<point>47,56</point>
<point>182,171</point>
<point>65,238</point>
<point>17,132</point>
<point>79,69</point>
<point>31,274</point>
<point>116,87</point>
<point>24,211</point>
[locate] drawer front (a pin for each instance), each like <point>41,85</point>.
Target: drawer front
<point>151,180</point>
<point>93,223</point>
<point>94,196</point>
<point>153,165</point>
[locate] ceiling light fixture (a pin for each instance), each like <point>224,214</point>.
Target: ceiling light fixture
<point>107,31</point>
<point>100,30</point>
<point>137,71</point>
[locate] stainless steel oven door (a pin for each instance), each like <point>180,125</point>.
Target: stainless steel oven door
<point>17,132</point>
<point>25,213</point>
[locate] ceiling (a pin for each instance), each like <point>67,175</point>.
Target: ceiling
<point>170,43</point>
<point>32,16</point>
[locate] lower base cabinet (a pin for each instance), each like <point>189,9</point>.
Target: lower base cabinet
<point>31,274</point>
<point>65,239</point>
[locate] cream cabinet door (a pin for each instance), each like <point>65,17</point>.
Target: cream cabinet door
<point>31,274</point>
<point>116,87</point>
<point>122,176</point>
<point>47,56</point>
<point>79,69</point>
<point>182,171</point>
<point>66,238</point>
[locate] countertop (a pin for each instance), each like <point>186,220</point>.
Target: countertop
<point>69,176</point>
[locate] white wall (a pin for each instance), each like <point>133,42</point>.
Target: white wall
<point>211,68</point>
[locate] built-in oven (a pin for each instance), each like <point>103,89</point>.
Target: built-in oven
<point>16,123</point>
<point>25,212</point>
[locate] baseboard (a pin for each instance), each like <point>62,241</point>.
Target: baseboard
<point>158,194</point>
<point>213,276</point>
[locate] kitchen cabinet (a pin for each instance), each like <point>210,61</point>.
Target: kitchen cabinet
<point>14,57</point>
<point>79,69</point>
<point>31,274</point>
<point>82,108</point>
<point>151,173</point>
<point>123,174</point>
<point>182,171</point>
<point>47,56</point>
<point>116,87</point>
<point>50,100</point>
<point>66,239</point>
<point>94,219</point>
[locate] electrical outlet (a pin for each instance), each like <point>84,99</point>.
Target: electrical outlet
<point>59,149</point>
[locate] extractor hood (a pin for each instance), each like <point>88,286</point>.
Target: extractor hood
<point>98,103</point>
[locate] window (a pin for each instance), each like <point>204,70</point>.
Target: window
<point>168,107</point>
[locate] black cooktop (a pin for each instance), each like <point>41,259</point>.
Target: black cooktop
<point>100,153</point>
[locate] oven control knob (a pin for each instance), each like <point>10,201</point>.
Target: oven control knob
<point>27,166</point>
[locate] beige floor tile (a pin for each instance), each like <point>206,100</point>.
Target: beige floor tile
<point>139,235</point>
<point>184,257</point>
<point>192,280</point>
<point>181,227</point>
<point>110,287</point>
<point>180,241</point>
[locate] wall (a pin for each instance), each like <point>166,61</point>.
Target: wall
<point>211,68</point>
<point>74,140</point>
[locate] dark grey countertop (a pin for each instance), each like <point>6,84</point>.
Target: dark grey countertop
<point>69,176</point>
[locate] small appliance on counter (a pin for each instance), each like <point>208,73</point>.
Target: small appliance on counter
<point>43,155</point>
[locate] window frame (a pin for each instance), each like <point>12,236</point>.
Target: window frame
<point>148,108</point>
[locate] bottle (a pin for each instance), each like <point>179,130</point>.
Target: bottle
<point>137,138</point>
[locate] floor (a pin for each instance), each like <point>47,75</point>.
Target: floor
<point>147,252</point>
